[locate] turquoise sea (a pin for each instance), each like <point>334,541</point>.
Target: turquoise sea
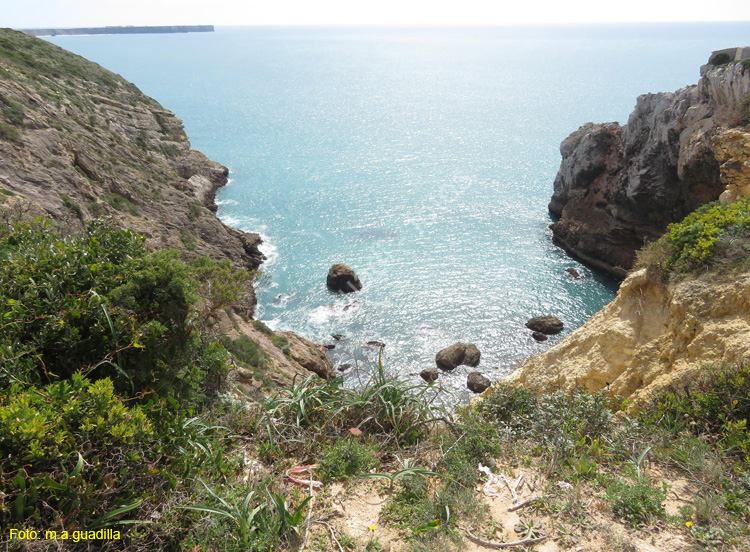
<point>423,158</point>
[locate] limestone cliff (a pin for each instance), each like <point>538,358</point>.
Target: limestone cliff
<point>78,142</point>
<point>652,334</point>
<point>620,186</point>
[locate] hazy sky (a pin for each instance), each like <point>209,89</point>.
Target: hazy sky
<point>73,13</point>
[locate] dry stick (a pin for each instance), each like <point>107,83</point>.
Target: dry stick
<point>499,545</point>
<point>526,502</point>
<point>518,482</point>
<point>333,535</point>
<point>309,516</point>
<point>511,489</point>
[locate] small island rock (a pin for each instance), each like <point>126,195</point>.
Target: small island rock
<point>539,336</point>
<point>429,374</point>
<point>342,278</point>
<point>573,273</point>
<point>477,383</point>
<point>548,325</point>
<point>457,355</point>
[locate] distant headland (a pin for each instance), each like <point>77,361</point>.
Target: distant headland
<point>131,29</point>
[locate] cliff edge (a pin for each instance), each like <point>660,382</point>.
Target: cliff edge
<point>618,187</point>
<point>79,142</point>
<point>652,334</point>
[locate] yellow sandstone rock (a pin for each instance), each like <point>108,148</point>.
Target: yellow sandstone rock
<point>651,335</point>
<point>732,151</point>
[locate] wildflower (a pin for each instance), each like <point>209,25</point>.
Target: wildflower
<point>373,527</point>
<point>688,524</point>
<point>355,431</point>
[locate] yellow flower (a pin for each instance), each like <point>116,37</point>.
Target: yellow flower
<point>373,527</point>
<point>688,524</point>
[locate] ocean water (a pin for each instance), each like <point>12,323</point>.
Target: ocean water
<point>422,158</point>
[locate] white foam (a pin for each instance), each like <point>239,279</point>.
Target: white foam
<point>324,314</point>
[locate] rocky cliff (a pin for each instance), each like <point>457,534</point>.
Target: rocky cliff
<point>620,186</point>
<point>78,142</point>
<point>652,334</point>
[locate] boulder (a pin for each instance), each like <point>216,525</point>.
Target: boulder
<point>378,344</point>
<point>573,273</point>
<point>539,336</point>
<point>548,325</point>
<point>457,355</point>
<point>477,383</point>
<point>429,374</point>
<point>342,278</point>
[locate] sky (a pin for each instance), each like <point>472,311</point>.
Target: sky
<point>78,13</point>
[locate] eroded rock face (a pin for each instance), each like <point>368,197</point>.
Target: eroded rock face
<point>732,150</point>
<point>619,187</point>
<point>88,143</point>
<point>651,335</point>
<point>342,278</point>
<point>458,354</point>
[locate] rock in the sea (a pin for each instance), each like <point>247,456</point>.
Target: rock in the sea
<point>342,278</point>
<point>429,374</point>
<point>548,325</point>
<point>477,383</point>
<point>457,355</point>
<point>329,346</point>
<point>378,344</point>
<point>572,272</point>
<point>344,367</point>
<point>337,337</point>
<point>539,336</point>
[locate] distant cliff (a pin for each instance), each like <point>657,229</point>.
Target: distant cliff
<point>122,30</point>
<point>620,186</point>
<point>78,142</point>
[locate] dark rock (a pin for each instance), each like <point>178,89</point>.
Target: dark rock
<point>337,337</point>
<point>344,367</point>
<point>376,344</point>
<point>342,278</point>
<point>477,383</point>
<point>539,336</point>
<point>618,187</point>
<point>573,273</point>
<point>329,346</point>
<point>429,374</point>
<point>548,325</point>
<point>457,355</point>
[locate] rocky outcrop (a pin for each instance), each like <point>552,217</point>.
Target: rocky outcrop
<point>652,334</point>
<point>429,375</point>
<point>342,278</point>
<point>477,383</point>
<point>732,149</point>
<point>458,354</point>
<point>620,186</point>
<point>77,142</point>
<point>547,325</point>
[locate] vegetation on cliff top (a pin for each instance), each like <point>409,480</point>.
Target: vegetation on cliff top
<point>716,235</point>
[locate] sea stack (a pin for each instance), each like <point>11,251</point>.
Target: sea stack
<point>342,278</point>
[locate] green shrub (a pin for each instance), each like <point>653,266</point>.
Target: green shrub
<point>637,502</point>
<point>348,457</point>
<point>721,58</point>
<point>716,233</point>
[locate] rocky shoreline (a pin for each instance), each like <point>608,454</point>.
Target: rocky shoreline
<point>618,187</point>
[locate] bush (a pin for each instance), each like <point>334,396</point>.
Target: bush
<point>721,58</point>
<point>716,233</point>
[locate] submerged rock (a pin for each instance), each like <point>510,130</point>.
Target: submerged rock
<point>457,355</point>
<point>477,383</point>
<point>342,278</point>
<point>548,325</point>
<point>573,273</point>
